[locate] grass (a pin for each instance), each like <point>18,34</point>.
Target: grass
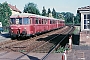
<point>75,31</point>
<point>61,50</point>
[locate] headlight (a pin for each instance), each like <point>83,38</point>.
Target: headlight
<point>11,28</point>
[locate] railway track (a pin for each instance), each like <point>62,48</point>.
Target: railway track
<point>26,45</point>
<point>42,44</point>
<point>58,44</point>
<point>48,47</point>
<point>51,42</point>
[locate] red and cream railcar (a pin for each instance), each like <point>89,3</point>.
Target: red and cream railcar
<point>26,24</point>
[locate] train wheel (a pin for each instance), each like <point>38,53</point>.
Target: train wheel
<point>18,37</point>
<point>13,38</point>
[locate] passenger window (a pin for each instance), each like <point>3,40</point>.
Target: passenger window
<point>42,21</point>
<point>26,21</point>
<point>50,22</point>
<point>37,21</point>
<point>46,21</point>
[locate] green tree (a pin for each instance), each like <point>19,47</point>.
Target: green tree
<point>5,13</point>
<point>44,11</point>
<point>31,8</point>
<point>54,13</point>
<point>60,16</point>
<point>63,13</point>
<point>69,17</point>
<point>49,12</point>
<point>77,18</point>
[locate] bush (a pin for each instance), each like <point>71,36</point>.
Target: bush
<point>61,50</point>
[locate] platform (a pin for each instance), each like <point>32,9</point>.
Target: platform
<point>4,55</point>
<point>81,51</point>
<point>20,56</point>
<point>85,38</point>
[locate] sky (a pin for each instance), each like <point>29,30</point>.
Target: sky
<point>58,5</point>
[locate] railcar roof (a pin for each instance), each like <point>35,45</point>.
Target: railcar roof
<point>31,15</point>
<point>26,15</point>
<point>21,15</point>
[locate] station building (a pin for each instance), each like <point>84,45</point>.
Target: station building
<point>85,18</point>
<point>14,9</point>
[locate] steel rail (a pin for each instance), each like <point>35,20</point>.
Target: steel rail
<point>53,48</point>
<point>39,46</point>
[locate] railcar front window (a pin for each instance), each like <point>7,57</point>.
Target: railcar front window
<point>26,21</point>
<point>12,21</point>
<point>16,20</point>
<point>20,20</point>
